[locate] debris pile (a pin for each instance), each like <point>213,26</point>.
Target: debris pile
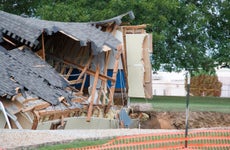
<point>62,75</point>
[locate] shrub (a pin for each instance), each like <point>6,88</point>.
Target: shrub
<point>205,85</point>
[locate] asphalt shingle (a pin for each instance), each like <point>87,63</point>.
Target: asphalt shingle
<point>27,30</point>
<point>20,69</point>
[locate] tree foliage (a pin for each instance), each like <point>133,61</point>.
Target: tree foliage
<point>19,7</point>
<point>186,34</point>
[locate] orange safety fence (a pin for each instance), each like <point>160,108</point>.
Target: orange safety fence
<point>196,139</point>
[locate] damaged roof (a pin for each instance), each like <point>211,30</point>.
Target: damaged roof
<point>116,19</point>
<point>22,69</point>
<point>28,30</point>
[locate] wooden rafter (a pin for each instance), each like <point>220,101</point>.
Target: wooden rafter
<point>69,72</point>
<point>104,83</point>
<point>115,70</point>
<point>124,58</point>
<point>85,68</point>
<point>83,84</point>
<point>93,94</point>
<point>9,41</point>
<point>88,71</point>
<point>43,47</point>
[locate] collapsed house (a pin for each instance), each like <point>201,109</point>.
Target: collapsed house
<point>62,75</point>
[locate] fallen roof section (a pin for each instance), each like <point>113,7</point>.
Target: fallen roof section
<point>22,69</point>
<point>28,30</point>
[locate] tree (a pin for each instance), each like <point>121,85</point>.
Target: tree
<point>22,7</point>
<point>186,34</point>
<point>218,14</point>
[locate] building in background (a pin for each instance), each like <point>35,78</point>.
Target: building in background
<point>168,83</point>
<point>224,77</point>
<point>173,83</point>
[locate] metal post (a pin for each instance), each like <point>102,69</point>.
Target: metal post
<point>187,107</point>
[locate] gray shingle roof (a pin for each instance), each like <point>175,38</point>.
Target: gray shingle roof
<point>23,69</point>
<point>29,60</point>
<point>27,30</point>
<point>0,35</point>
<point>116,19</point>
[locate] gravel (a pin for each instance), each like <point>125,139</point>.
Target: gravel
<point>32,139</point>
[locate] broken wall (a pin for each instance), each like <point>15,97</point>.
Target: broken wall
<point>138,48</point>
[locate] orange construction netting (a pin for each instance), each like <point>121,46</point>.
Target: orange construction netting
<point>197,139</point>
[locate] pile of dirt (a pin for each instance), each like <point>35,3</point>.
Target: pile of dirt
<point>176,120</point>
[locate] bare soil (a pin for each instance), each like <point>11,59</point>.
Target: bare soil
<point>176,120</point>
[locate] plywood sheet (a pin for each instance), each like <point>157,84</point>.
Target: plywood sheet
<point>135,77</point>
<point>134,46</point>
<point>139,65</point>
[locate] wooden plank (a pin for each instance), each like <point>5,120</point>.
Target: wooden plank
<point>15,97</point>
<point>36,120</point>
<point>85,68</point>
<point>104,83</point>
<point>57,112</point>
<point>83,84</point>
<point>124,64</point>
<point>69,36</point>
<point>63,100</point>
<point>63,69</point>
<point>36,107</point>
<point>69,72</point>
<point>43,47</point>
<point>89,114</point>
<point>78,100</point>
<point>42,106</point>
<point>99,96</point>
<point>71,82</point>
<point>124,58</point>
<point>146,60</point>
<point>148,69</point>
<point>28,109</point>
<point>30,99</point>
<point>8,41</point>
<point>112,89</point>
<point>88,71</point>
<point>138,29</point>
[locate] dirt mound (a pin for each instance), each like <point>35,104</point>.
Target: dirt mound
<point>176,120</point>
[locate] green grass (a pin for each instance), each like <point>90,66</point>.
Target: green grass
<point>176,103</point>
<point>75,144</point>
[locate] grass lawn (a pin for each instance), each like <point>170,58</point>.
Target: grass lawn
<point>176,103</point>
<point>75,144</point>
